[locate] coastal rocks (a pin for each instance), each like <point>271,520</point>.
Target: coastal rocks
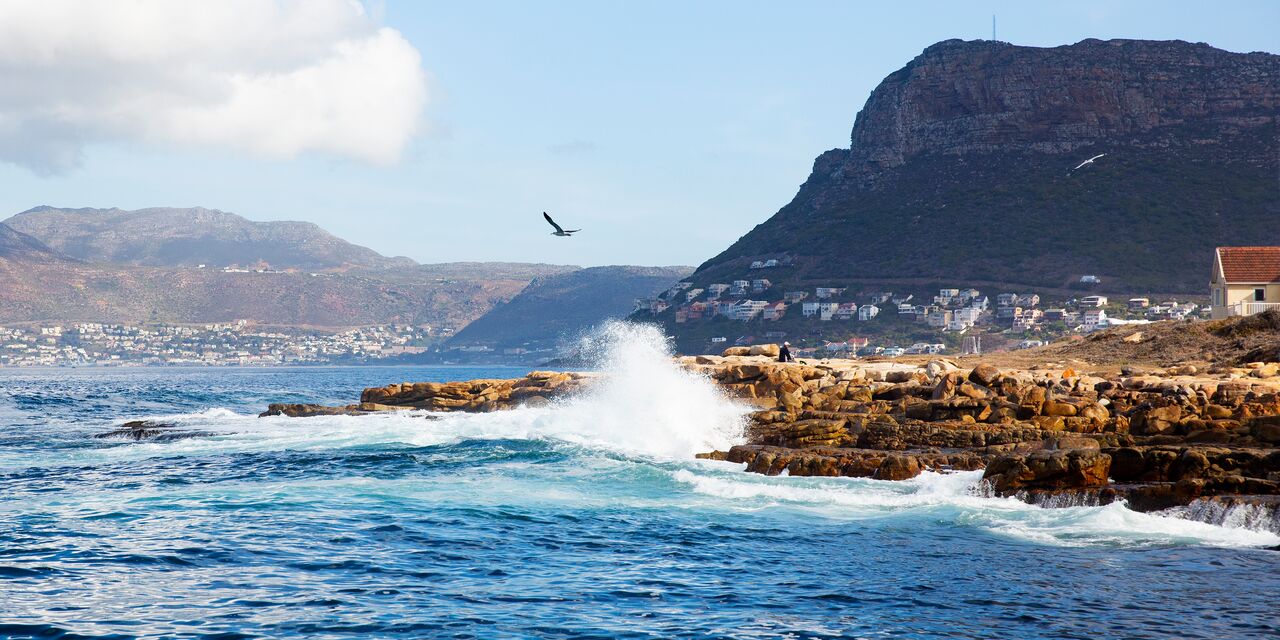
<point>1056,432</point>
<point>477,395</point>
<point>154,431</point>
<point>767,350</point>
<point>310,410</point>
<point>1048,470</point>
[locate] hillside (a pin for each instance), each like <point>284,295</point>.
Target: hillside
<point>15,245</point>
<point>39,284</point>
<point>959,173</point>
<point>65,290</point>
<point>171,237</point>
<point>562,305</point>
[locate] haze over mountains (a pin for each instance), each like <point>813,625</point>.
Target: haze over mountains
<point>553,307</point>
<point>110,265</point>
<point>171,237</point>
<point>958,173</point>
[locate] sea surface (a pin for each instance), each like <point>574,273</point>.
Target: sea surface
<point>585,519</point>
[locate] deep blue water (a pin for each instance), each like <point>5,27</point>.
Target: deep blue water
<point>583,520</point>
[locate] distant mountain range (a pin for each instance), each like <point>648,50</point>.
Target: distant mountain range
<point>557,307</point>
<point>960,173</point>
<point>170,237</point>
<point>109,265</point>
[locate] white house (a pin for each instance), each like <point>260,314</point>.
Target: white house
<point>809,309</point>
<point>1093,301</point>
<point>1093,318</point>
<point>868,311</point>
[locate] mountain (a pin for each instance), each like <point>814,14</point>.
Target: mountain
<point>51,289</point>
<point>562,305</point>
<point>960,173</point>
<point>15,245</point>
<point>40,284</point>
<point>172,237</point>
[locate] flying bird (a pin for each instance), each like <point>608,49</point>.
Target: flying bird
<point>559,231</point>
<point>1089,161</point>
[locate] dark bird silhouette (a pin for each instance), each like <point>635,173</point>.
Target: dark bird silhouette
<point>559,231</point>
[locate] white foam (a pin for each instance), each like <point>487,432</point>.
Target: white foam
<point>954,497</point>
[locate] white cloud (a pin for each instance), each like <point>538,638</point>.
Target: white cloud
<point>271,77</point>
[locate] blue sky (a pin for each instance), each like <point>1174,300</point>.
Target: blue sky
<point>665,129</point>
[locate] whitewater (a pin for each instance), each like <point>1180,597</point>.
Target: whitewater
<point>586,517</point>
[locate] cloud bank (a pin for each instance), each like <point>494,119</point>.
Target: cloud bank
<point>270,77</point>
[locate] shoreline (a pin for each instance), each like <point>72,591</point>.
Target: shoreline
<point>1049,434</point>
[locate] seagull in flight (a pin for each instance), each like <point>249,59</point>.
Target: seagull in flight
<point>559,231</point>
<point>1089,161</point>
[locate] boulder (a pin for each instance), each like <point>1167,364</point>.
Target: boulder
<point>1048,470</point>
<point>984,374</point>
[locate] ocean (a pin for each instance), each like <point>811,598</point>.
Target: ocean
<point>588,518</point>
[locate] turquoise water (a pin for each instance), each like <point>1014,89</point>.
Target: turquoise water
<point>586,519</point>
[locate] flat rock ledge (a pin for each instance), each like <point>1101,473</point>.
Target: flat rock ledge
<point>1048,434</point>
<point>476,396</point>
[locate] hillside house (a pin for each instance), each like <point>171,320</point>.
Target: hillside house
<point>739,287</point>
<point>792,297</point>
<point>846,311</point>
<point>691,294</point>
<point>825,293</point>
<point>1007,314</point>
<point>1028,300</point>
<point>827,310</point>
<point>745,310</point>
<point>868,311</point>
<point>1007,300</point>
<point>758,264</point>
<point>1027,320</point>
<point>1245,280</point>
<point>1138,304</point>
<point>1090,280</point>
<point>1093,301</point>
<point>809,309</point>
<point>1093,319</point>
<point>774,311</point>
<point>938,318</point>
<point>716,290</point>
<point>759,286</point>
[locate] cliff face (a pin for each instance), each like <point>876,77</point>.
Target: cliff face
<point>965,97</point>
<point>960,171</point>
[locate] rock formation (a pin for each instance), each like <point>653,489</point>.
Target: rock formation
<point>1047,434</point>
<point>971,144</point>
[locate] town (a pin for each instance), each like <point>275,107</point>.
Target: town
<point>962,319</point>
<point>226,344</point>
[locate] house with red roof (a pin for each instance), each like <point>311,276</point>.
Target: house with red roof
<point>1245,280</point>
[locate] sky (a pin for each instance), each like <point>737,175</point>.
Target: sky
<point>441,130</point>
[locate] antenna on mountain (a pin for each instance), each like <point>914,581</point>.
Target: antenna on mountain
<point>993,27</point>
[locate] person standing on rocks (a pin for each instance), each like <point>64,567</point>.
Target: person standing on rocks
<point>784,354</point>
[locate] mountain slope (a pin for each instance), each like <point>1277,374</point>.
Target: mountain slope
<point>15,245</point>
<point>959,172</point>
<point>561,305</point>
<point>56,290</point>
<point>190,237</point>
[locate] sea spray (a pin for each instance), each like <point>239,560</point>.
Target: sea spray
<point>646,403</point>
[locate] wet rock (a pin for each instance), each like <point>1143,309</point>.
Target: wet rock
<point>148,430</point>
<point>1050,469</point>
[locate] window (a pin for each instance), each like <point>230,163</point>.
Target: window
<point>1259,295</point>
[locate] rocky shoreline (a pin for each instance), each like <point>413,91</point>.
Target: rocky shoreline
<point>1047,434</point>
